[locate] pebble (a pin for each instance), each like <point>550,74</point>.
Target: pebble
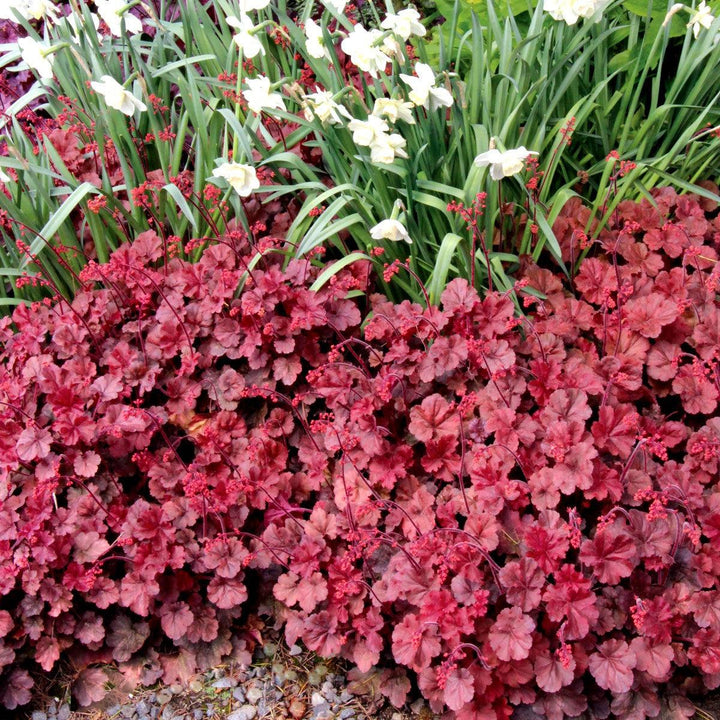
<point>297,708</point>
<point>272,688</point>
<point>246,712</point>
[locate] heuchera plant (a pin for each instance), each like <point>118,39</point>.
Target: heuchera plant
<point>512,514</point>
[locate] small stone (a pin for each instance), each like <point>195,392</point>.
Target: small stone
<point>239,694</point>
<point>246,712</point>
<point>254,694</point>
<point>127,711</point>
<point>176,689</point>
<point>396,716</point>
<point>195,685</point>
<point>297,709</point>
<point>317,699</point>
<point>141,708</point>
<point>269,650</point>
<point>63,712</point>
<point>295,650</point>
<point>198,714</point>
<point>224,683</point>
<point>291,675</point>
<point>164,696</point>
<point>345,696</point>
<point>38,715</point>
<point>347,713</point>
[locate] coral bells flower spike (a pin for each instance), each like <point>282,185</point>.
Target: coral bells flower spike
<point>364,54</point>
<point>423,91</point>
<point>242,178</point>
<point>246,39</point>
<point>405,23</point>
<point>37,56</point>
<point>116,96</point>
<point>259,97</point>
<point>113,12</point>
<point>390,230</point>
<point>701,18</point>
<point>504,164</point>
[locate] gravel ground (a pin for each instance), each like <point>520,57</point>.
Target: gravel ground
<point>281,684</point>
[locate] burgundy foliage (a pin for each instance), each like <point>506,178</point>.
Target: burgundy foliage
<point>510,515</point>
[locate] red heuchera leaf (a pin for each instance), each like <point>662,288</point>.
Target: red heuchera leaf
<point>415,643</point>
<point>175,619</point>
<point>511,635</point>
<point>648,314</point>
<point>17,689</point>
<point>523,581</point>
<point>459,688</point>
<point>87,464</point>
<point>308,592</point>
<point>395,685</point>
<point>321,634</point>
<point>47,653</point>
<point>612,666</point>
<point>611,554</point>
<point>698,394</point>
<point>126,637</point>
<point>33,443</point>
<point>654,659</point>
<point>552,673</point>
<point>90,686</point>
<point>227,593</point>
<point>571,600</point>
<point>369,643</point>
<point>137,593</point>
<point>705,652</point>
<point>225,556</point>
<point>433,418</point>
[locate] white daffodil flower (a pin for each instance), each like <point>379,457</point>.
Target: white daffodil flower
<point>259,97</point>
<point>242,178</point>
<point>247,6</point>
<point>386,148</point>
<point>40,10</point>
<point>37,57</point>
<point>29,9</point>
<point>390,230</point>
<point>504,164</point>
<point>113,12</point>
<point>702,17</point>
<point>314,40</point>
<point>570,11</point>
<point>423,91</point>
<point>246,38</point>
<point>116,96</point>
<point>322,106</point>
<point>366,132</point>
<point>394,109</point>
<point>364,53</point>
<point>405,23</point>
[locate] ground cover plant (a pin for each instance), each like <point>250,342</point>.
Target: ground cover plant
<point>504,514</point>
<point>395,330</point>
